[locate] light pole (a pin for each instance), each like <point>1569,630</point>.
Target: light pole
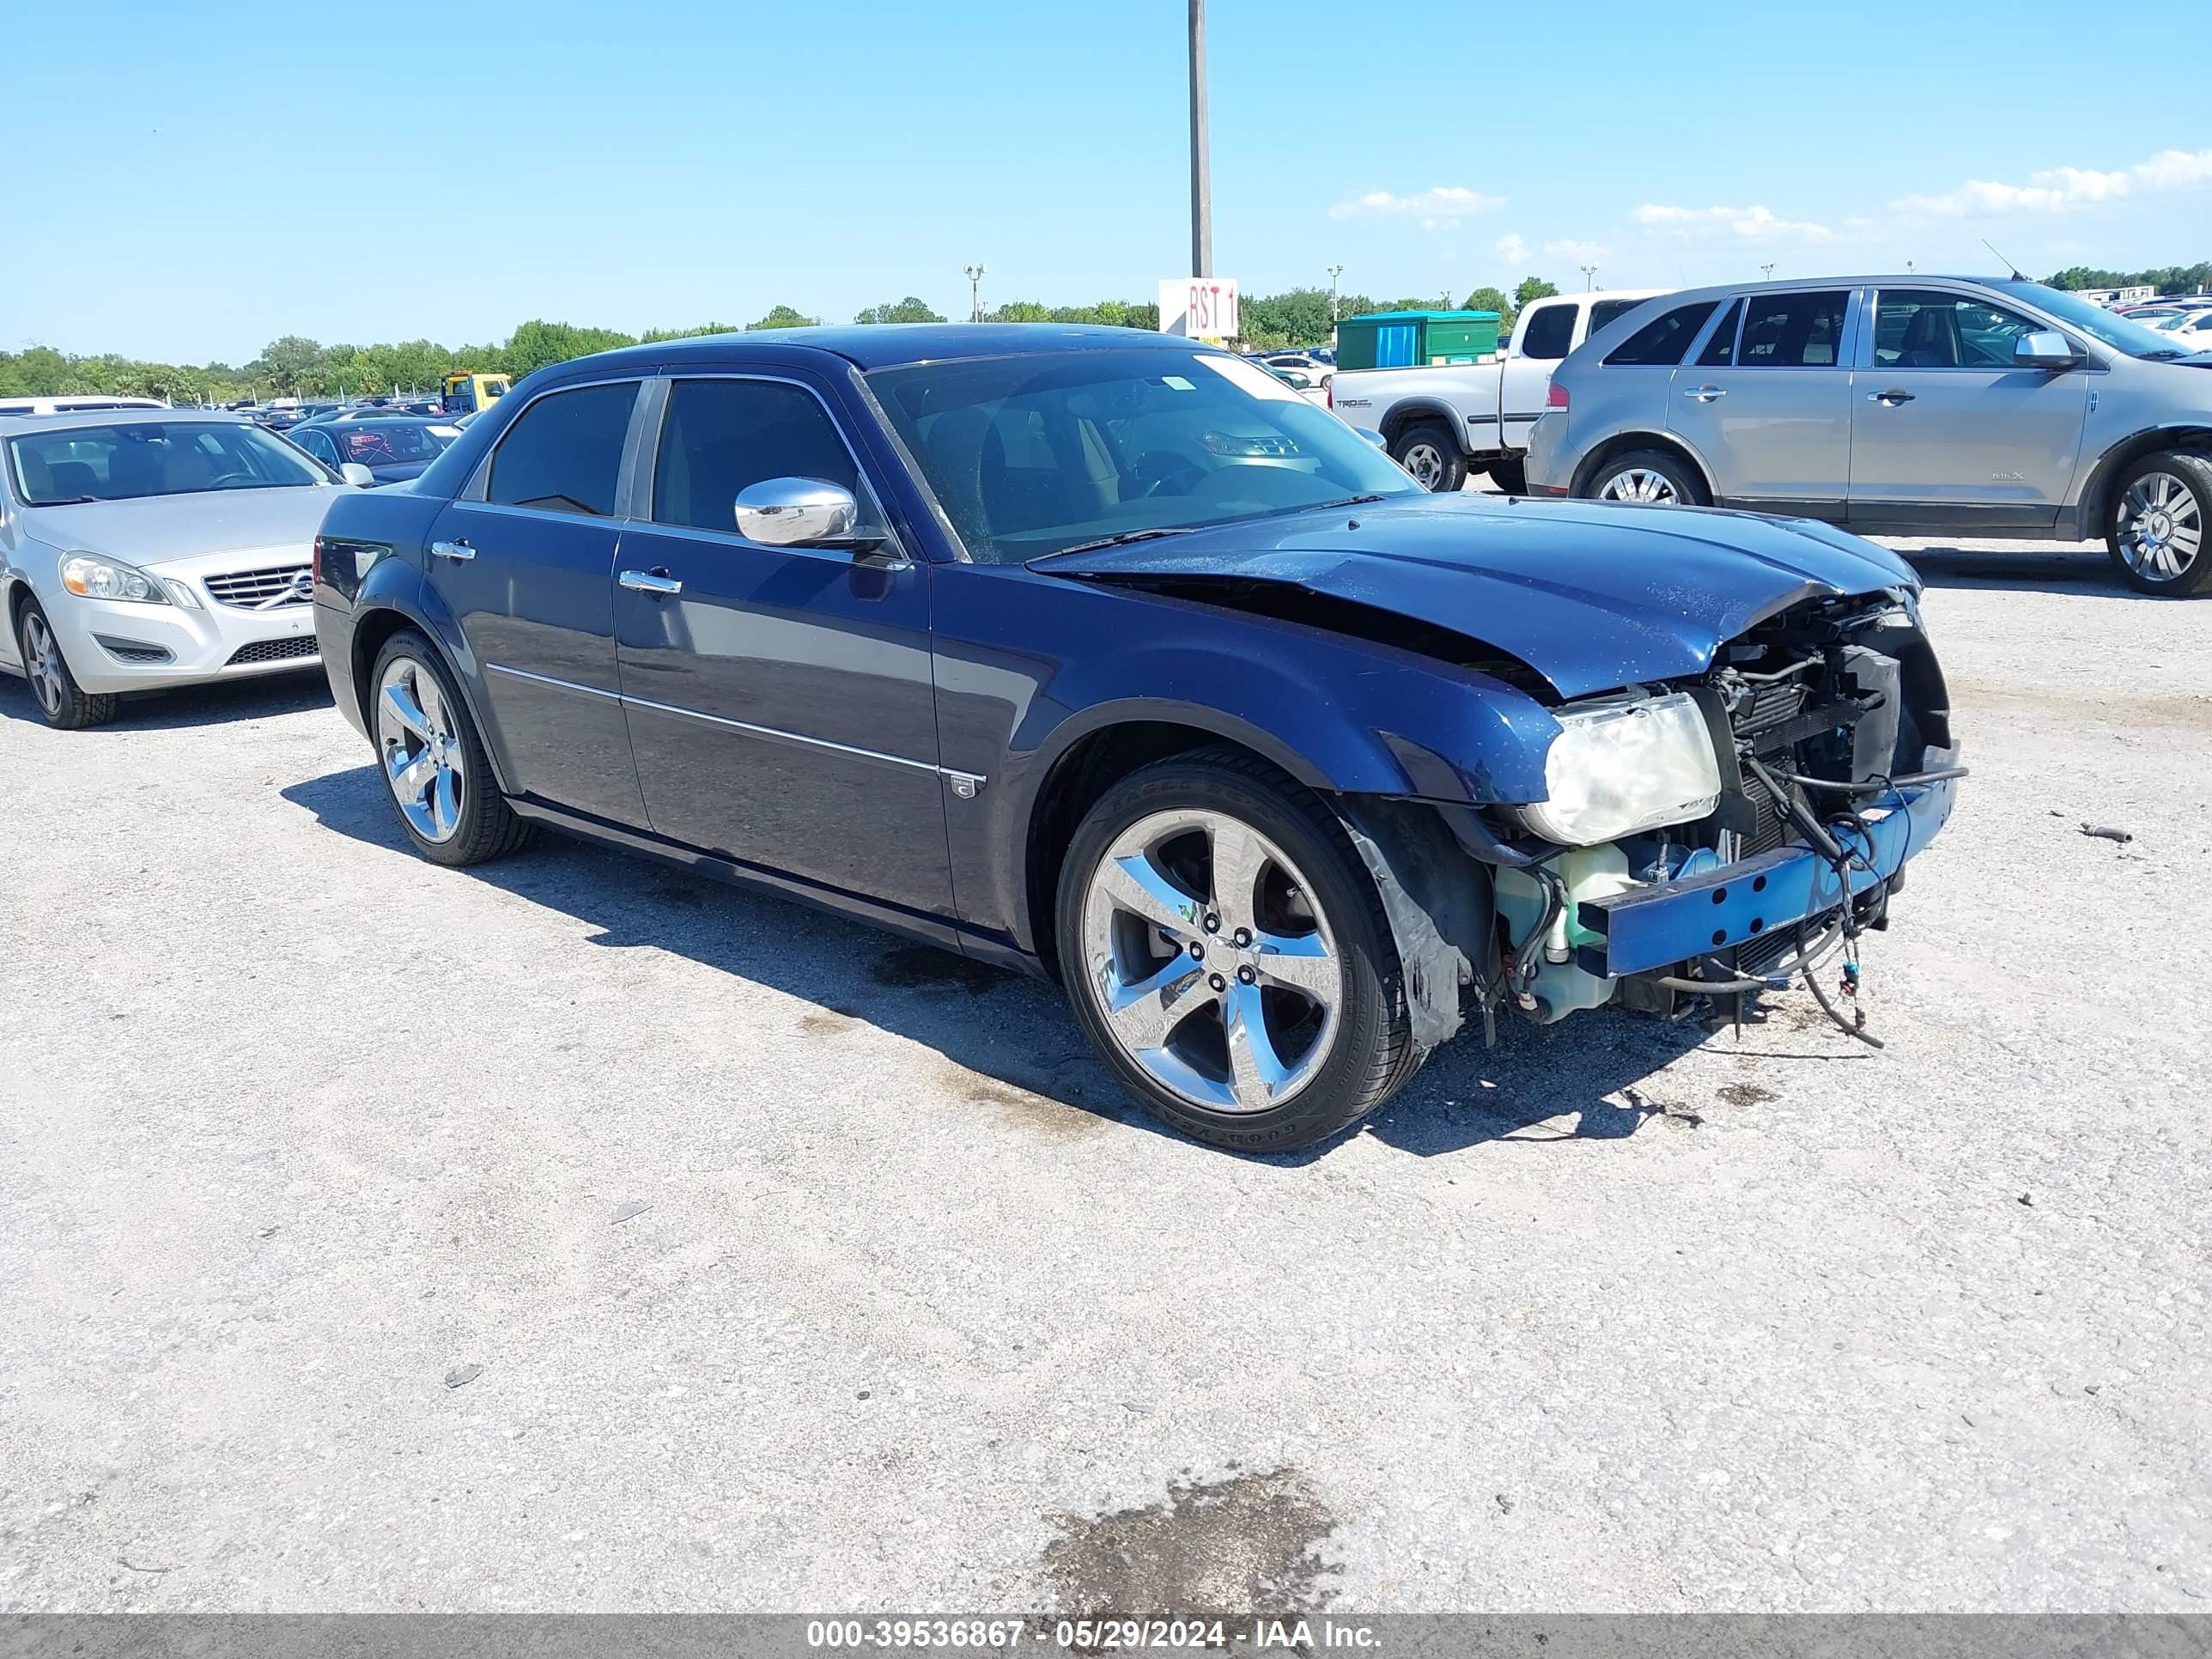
<point>1335,271</point>
<point>1766,272</point>
<point>1590,277</point>
<point>1202,185</point>
<point>974,274</point>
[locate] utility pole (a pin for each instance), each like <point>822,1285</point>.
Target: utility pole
<point>1335,271</point>
<point>1590,277</point>
<point>1201,185</point>
<point>975,273</point>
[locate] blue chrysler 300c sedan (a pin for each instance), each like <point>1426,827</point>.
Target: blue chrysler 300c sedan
<point>1110,657</point>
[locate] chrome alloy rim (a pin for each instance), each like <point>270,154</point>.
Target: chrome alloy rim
<point>420,745</point>
<point>1425,463</point>
<point>1214,969</point>
<point>42,661</point>
<point>1640,483</point>
<point>2161,526</point>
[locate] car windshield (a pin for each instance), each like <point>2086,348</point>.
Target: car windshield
<point>153,457</point>
<point>2121,333</point>
<point>1033,455</point>
<point>382,444</point>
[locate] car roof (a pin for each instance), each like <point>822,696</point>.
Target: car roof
<point>19,423</point>
<point>887,345</point>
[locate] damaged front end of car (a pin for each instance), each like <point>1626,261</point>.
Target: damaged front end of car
<point>1703,840</point>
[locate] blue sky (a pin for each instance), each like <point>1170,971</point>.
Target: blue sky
<point>387,170</point>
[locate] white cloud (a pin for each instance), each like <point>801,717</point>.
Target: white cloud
<point>1513,250</point>
<point>1583,253</point>
<point>1753,224</point>
<point>2056,190</point>
<point>1440,209</point>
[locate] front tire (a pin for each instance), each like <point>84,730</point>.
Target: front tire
<point>1228,954</point>
<point>1646,478</point>
<point>61,702</point>
<point>1432,455</point>
<point>436,774</point>
<point>2160,514</point>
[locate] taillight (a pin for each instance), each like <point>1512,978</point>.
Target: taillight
<point>1328,391</point>
<point>315,562</point>
<point>1556,397</point>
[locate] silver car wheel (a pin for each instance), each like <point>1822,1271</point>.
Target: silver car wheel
<point>1426,463</point>
<point>1211,962</point>
<point>42,664</point>
<point>2161,527</point>
<point>1642,485</point>
<point>419,742</point>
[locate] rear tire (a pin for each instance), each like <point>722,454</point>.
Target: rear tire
<point>1433,456</point>
<point>1511,477</point>
<point>61,702</point>
<point>1265,1046</point>
<point>436,774</point>
<point>2161,515</point>
<point>1646,478</point>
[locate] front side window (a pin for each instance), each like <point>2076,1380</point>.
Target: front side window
<point>318,445</point>
<point>564,455</point>
<point>1719,350</point>
<point>1661,343</point>
<point>1032,455</point>
<point>721,437</point>
<point>1550,333</point>
<point>2121,333</point>
<point>1793,331</point>
<point>165,458</point>
<point>1929,328</point>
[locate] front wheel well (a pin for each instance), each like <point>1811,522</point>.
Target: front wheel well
<point>1077,781</point>
<point>2097,500</point>
<point>1596,461</point>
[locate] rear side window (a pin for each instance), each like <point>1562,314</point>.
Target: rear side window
<point>564,454</point>
<point>722,436</point>
<point>1550,333</point>
<point>1605,311</point>
<point>1719,350</point>
<point>1793,331</point>
<point>1661,343</point>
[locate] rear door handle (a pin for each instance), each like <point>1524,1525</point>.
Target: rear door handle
<point>1891,398</point>
<point>459,552</point>
<point>658,582</point>
<point>1704,394</point>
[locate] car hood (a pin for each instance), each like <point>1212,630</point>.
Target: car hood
<point>1592,597</point>
<point>151,530</point>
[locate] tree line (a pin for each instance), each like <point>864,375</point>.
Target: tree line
<point>296,366</point>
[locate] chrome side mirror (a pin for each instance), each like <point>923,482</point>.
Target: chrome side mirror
<point>2044,348</point>
<point>357,475</point>
<point>795,512</point>
<point>1373,437</point>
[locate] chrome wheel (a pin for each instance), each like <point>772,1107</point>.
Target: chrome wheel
<point>419,741</point>
<point>1641,484</point>
<point>1211,963</point>
<point>1426,463</point>
<point>42,664</point>
<point>2159,529</point>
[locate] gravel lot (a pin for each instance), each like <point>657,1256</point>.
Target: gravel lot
<point>807,1271</point>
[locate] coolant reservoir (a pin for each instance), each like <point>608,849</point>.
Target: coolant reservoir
<point>1586,872</point>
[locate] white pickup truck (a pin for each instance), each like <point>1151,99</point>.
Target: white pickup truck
<point>1443,422</point>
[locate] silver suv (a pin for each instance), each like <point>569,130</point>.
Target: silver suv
<point>1898,405</point>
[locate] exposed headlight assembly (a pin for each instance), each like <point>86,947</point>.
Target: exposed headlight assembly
<point>91,577</point>
<point>1623,763</point>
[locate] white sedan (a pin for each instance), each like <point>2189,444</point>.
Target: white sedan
<point>146,548</point>
<point>2190,330</point>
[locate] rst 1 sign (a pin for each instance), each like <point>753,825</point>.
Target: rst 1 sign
<point>1198,307</point>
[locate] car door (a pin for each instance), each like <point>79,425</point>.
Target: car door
<point>780,698</point>
<point>525,562</point>
<point>1769,411</point>
<point>1944,422</point>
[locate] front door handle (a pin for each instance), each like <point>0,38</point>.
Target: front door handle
<point>658,582</point>
<point>1891,398</point>
<point>1704,394</point>
<point>458,552</point>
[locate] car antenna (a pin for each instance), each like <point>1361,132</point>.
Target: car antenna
<point>2018,275</point>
